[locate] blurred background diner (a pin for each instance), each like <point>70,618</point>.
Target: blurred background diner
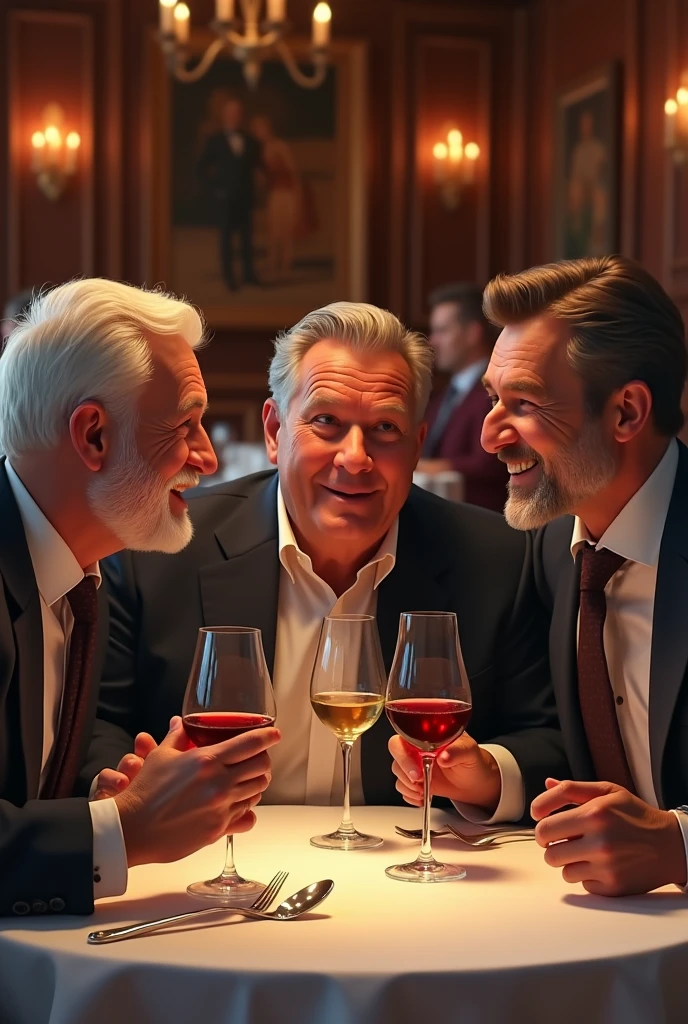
<point>400,153</point>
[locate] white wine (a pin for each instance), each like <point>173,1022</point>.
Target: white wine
<point>346,713</point>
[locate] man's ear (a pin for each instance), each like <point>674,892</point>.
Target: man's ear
<point>271,428</point>
<point>631,409</point>
<point>90,431</point>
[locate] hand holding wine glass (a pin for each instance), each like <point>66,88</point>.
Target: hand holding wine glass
<point>429,704</point>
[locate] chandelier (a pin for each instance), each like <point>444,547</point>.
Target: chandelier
<point>248,38</point>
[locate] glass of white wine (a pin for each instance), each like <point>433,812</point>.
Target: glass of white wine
<point>347,695</point>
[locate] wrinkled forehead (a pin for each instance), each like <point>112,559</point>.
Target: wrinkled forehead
<point>535,350</point>
<point>335,372</point>
<point>176,378</point>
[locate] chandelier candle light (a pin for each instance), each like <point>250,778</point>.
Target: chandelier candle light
<point>454,165</point>
<point>676,123</point>
<point>260,28</point>
<point>54,153</point>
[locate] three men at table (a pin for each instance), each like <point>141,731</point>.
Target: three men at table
<point>586,381</point>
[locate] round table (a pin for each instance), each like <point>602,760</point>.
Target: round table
<point>510,943</point>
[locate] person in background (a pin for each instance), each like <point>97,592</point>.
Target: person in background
<point>101,400</point>
<point>14,308</point>
<point>462,339</point>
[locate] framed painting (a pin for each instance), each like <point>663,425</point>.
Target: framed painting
<point>586,199</point>
<point>256,197</point>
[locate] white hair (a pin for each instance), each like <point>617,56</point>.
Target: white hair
<point>364,328</point>
<point>83,340</point>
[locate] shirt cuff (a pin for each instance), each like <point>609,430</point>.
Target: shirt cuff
<point>683,825</point>
<point>109,851</point>
<point>512,800</point>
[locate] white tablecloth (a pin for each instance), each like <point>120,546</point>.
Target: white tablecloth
<point>510,943</point>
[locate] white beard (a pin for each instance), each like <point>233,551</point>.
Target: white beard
<point>134,503</point>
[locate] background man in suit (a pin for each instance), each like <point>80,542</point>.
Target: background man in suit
<point>228,165</point>
<point>585,382</point>
<point>340,529</point>
<point>462,338</point>
<point>101,399</point>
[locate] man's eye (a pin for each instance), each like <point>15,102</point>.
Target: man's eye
<point>325,419</point>
<point>387,428</point>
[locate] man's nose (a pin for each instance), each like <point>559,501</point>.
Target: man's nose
<point>202,455</point>
<point>352,455</point>
<point>497,432</point>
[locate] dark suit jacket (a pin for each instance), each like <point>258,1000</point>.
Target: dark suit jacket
<point>558,581</point>
<point>46,846</point>
<point>485,477</point>
<point>230,177</point>
<point>449,557</point>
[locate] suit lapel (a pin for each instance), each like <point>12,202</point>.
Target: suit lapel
<point>243,589</point>
<point>17,572</point>
<point>669,626</point>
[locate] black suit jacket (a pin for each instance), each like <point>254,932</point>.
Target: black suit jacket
<point>230,177</point>
<point>449,557</point>
<point>558,581</point>
<point>46,846</point>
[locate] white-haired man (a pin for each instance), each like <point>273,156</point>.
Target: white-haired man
<point>101,399</point>
<point>339,528</point>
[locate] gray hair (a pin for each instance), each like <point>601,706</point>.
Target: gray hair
<point>83,340</point>
<point>364,328</point>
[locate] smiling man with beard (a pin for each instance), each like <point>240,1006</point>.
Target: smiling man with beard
<point>339,528</point>
<point>101,399</point>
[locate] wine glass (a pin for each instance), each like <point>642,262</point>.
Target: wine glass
<point>348,695</point>
<point>428,702</point>
<point>228,693</point>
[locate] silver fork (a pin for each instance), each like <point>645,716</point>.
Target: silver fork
<point>258,906</point>
<point>485,838</point>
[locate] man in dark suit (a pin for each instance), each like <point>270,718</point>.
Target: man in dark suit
<point>227,166</point>
<point>101,432</point>
<point>585,382</point>
<point>340,529</point>
<point>462,339</point>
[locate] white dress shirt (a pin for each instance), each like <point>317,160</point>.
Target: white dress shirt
<point>57,572</point>
<point>306,763</point>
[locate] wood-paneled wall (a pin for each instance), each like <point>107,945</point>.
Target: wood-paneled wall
<point>494,66</point>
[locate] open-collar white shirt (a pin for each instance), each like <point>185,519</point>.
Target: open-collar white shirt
<point>57,571</point>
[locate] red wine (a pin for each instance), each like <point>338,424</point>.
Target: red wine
<point>206,727</point>
<point>428,724</point>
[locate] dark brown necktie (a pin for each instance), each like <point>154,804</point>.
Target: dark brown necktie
<point>64,767</point>
<point>594,688</point>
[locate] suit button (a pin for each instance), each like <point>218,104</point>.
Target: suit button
<point>57,904</point>
<point>39,906</point>
<point>20,907</point>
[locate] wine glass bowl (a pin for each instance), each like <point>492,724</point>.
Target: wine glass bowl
<point>347,695</point>
<point>428,703</point>
<point>228,693</point>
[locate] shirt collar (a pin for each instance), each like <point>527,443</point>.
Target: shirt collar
<point>55,567</point>
<point>291,555</point>
<point>463,381</point>
<point>636,533</point>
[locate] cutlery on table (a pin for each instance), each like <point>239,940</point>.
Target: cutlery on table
<point>294,906</point>
<point>479,839</point>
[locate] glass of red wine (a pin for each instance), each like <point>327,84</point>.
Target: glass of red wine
<point>228,693</point>
<point>429,704</point>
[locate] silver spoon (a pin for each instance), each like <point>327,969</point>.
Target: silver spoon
<point>301,902</point>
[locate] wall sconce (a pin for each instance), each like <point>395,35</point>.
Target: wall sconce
<point>54,153</point>
<point>676,123</point>
<point>454,166</point>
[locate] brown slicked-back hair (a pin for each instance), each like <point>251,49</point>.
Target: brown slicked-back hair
<point>624,327</point>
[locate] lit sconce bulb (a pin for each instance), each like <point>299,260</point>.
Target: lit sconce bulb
<point>472,150</point>
<point>73,140</point>
<point>182,21</point>
<point>53,136</point>
<point>671,107</point>
<point>454,137</point>
<point>322,16</point>
<point>682,96</point>
<point>38,140</point>
<point>167,17</point>
<point>440,151</point>
<point>670,111</point>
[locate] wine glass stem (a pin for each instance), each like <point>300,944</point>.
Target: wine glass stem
<point>346,824</point>
<point>229,870</point>
<point>426,848</point>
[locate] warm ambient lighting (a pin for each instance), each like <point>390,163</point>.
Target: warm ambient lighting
<point>54,155</point>
<point>454,165</point>
<point>248,38</point>
<point>676,124</point>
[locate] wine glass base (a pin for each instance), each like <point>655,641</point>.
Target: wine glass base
<point>226,890</point>
<point>432,871</point>
<point>346,841</point>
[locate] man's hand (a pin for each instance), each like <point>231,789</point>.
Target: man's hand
<point>185,797</point>
<point>112,781</point>
<point>612,842</point>
<point>463,771</point>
